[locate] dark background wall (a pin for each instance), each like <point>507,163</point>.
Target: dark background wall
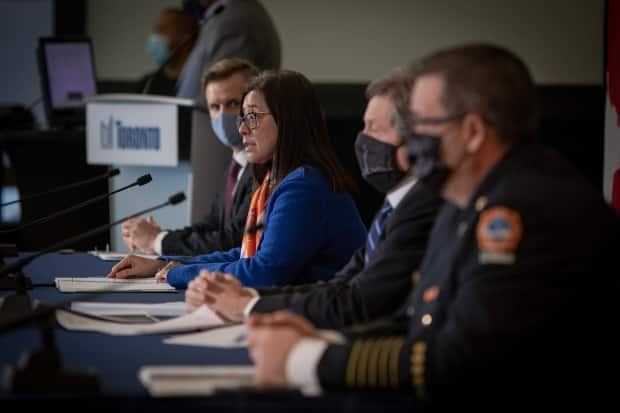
<point>40,159</point>
<point>571,121</point>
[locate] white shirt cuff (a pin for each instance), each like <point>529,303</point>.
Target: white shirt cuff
<point>302,364</point>
<point>250,305</point>
<point>158,241</point>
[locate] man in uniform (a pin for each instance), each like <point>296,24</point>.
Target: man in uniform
<point>378,277</point>
<point>515,293</point>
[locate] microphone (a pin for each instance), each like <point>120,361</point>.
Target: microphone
<point>143,180</point>
<point>42,372</point>
<point>20,263</point>
<point>106,175</point>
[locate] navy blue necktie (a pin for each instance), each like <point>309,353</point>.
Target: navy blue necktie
<point>376,228</point>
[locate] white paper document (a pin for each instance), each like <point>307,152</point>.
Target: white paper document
<point>90,284</point>
<point>168,381</point>
<point>227,337</point>
<point>202,318</point>
<point>200,380</point>
<point>117,256</point>
<point>169,309</point>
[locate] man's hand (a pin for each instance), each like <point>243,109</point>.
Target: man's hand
<point>270,341</point>
<point>140,233</point>
<point>223,293</point>
<point>133,266</point>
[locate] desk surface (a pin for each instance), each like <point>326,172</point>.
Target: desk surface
<point>117,359</point>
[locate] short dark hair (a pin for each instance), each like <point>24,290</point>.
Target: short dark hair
<point>223,69</point>
<point>395,85</point>
<point>185,23</point>
<point>488,80</point>
<point>302,132</point>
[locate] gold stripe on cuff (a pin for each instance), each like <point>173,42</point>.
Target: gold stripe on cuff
<point>418,362</point>
<point>394,353</point>
<point>372,362</point>
<point>383,357</point>
<point>352,364</point>
<point>362,367</point>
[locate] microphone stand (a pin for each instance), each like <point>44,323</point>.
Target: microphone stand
<point>108,174</point>
<point>10,250</point>
<point>42,372</point>
<point>19,281</point>
<point>143,180</point>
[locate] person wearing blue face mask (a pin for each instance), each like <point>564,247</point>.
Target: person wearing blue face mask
<point>222,228</point>
<point>169,47</point>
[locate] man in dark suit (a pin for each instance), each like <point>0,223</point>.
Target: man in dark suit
<point>518,288</point>
<point>223,227</point>
<point>378,277</point>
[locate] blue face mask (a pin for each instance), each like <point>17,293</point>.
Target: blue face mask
<point>157,48</point>
<point>225,128</point>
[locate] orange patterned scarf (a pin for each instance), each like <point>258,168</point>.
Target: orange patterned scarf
<point>250,240</point>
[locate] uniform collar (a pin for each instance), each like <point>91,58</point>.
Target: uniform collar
<point>489,183</point>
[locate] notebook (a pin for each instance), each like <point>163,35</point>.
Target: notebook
<point>103,284</point>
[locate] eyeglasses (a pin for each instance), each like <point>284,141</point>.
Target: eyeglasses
<point>434,120</point>
<point>250,119</point>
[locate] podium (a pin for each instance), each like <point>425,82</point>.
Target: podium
<point>168,137</point>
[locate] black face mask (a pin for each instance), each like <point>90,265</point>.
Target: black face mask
<point>424,155</point>
<point>377,162</point>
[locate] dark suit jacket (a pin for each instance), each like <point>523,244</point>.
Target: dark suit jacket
<point>517,296</point>
<point>360,293</point>
<point>215,232</point>
<point>243,29</point>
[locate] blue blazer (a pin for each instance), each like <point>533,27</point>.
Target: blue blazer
<point>310,233</point>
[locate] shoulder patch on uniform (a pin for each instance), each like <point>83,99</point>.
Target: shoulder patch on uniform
<point>499,232</point>
<point>430,294</point>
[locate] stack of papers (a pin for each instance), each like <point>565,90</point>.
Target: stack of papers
<point>200,319</point>
<point>91,284</point>
<point>233,336</point>
<point>169,309</point>
<point>117,256</point>
<point>168,381</point>
<point>200,380</point>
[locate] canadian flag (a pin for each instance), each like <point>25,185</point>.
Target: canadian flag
<point>611,173</point>
<point>615,191</point>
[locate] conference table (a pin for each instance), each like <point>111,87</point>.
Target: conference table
<point>116,360</point>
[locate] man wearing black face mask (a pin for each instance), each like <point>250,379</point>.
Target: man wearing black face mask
<point>378,277</point>
<point>379,148</point>
<point>518,288</point>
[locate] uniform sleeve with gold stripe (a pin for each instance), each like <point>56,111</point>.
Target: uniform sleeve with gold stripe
<point>376,363</point>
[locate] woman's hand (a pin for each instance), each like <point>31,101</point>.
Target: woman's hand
<point>133,266</point>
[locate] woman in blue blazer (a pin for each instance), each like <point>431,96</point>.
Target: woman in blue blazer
<point>303,225</point>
